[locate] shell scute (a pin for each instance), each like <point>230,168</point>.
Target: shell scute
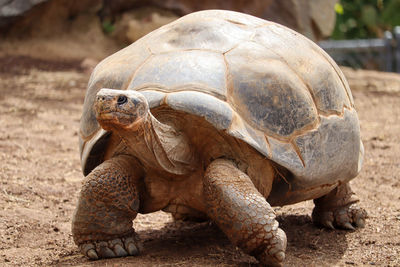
<point>308,61</point>
<point>232,17</point>
<point>189,33</point>
<point>321,148</point>
<point>215,111</point>
<point>267,93</point>
<point>174,70</point>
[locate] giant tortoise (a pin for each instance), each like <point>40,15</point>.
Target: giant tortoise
<point>218,115</point>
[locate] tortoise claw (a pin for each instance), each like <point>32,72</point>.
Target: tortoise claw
<point>132,249</point>
<point>348,226</point>
<point>105,252</point>
<point>347,217</point>
<point>329,224</point>
<point>91,254</point>
<point>120,251</point>
<point>119,247</point>
<point>280,256</point>
<point>131,246</point>
<point>89,251</point>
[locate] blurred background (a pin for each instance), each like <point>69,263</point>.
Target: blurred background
<point>356,33</point>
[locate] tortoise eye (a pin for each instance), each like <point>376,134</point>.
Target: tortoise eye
<point>122,100</point>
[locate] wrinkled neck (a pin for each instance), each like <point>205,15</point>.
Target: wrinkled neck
<point>161,146</point>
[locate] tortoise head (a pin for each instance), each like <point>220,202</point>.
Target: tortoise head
<point>120,109</point>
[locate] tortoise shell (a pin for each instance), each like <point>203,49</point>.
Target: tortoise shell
<point>256,80</point>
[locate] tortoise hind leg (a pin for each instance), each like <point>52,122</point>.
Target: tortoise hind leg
<point>339,209</point>
<point>108,202</point>
<point>242,213</point>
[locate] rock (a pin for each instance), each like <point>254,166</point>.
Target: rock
<point>323,17</point>
<point>27,17</point>
<point>315,19</point>
<point>72,29</point>
<point>138,22</point>
<point>58,30</point>
<point>10,9</point>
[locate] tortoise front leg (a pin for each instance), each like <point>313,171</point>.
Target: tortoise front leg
<point>242,213</point>
<point>108,202</point>
<point>339,209</point>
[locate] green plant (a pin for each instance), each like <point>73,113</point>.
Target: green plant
<point>365,18</point>
<point>107,27</point>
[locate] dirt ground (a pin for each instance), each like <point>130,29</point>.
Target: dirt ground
<point>40,177</point>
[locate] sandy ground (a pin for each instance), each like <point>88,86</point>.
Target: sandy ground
<point>40,179</point>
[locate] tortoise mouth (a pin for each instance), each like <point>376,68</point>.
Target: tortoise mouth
<point>114,116</point>
<point>109,114</point>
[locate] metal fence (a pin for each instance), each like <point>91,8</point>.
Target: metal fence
<point>380,54</point>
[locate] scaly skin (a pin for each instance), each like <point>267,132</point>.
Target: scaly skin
<point>339,209</point>
<point>108,202</point>
<point>242,213</point>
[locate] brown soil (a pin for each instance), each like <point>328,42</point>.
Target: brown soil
<point>40,179</point>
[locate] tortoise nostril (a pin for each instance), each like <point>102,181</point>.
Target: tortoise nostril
<point>122,100</point>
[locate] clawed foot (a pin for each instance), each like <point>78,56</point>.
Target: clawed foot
<point>119,247</point>
<point>274,254</point>
<point>347,217</point>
